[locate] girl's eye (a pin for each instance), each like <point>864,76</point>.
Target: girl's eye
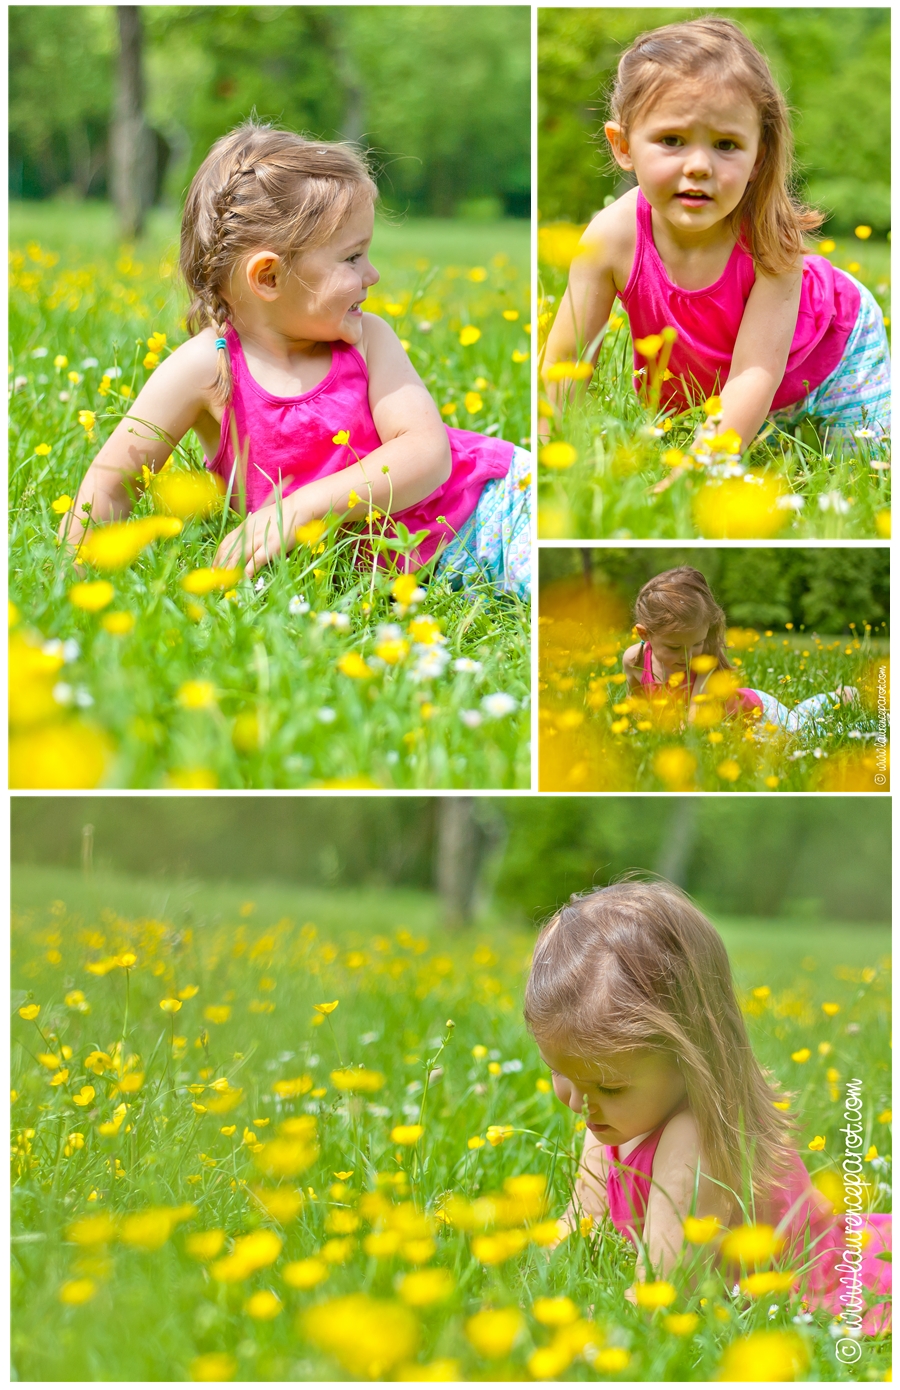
<point>610,1090</point>
<point>357,255</point>
<point>726,144</point>
<point>671,140</point>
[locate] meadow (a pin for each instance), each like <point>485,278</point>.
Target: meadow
<point>595,736</point>
<point>617,466</point>
<point>254,1140</point>
<point>151,670</point>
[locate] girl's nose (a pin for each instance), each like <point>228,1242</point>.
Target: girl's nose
<point>697,162</point>
<point>371,276</point>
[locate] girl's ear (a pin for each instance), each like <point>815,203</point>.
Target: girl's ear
<point>261,273</point>
<point>641,631</point>
<point>618,143</point>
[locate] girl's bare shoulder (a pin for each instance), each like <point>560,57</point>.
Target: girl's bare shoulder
<point>631,657</point>
<point>610,237</point>
<point>193,363</point>
<point>679,1142</point>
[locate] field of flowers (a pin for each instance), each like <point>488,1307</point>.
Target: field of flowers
<point>266,1145</point>
<point>150,669</point>
<point>614,466</point>
<point>595,736</point>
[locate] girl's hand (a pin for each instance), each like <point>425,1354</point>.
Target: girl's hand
<point>262,536</point>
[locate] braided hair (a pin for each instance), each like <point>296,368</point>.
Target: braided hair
<point>260,187</point>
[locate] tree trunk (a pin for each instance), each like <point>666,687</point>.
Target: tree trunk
<point>132,152</point>
<point>677,847</point>
<point>458,848</point>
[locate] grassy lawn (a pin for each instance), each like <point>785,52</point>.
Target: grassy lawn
<point>244,689</point>
<point>242,1112</point>
<point>613,481</point>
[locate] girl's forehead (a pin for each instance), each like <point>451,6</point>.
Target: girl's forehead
<point>720,102</point>
<point>606,1067</point>
<point>683,637</point>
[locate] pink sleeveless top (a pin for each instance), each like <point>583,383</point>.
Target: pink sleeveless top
<point>707,321</point>
<point>743,699</point>
<point>291,442</point>
<point>794,1206</point>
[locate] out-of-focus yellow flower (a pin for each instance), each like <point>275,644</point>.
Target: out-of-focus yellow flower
<point>862,232</point>
<point>802,1055</point>
<point>558,454</point>
<point>84,1096</point>
<point>764,1356</point>
<point>469,335</point>
<point>407,1134</point>
<point>357,1079</point>
<point>156,342</point>
<point>170,1006</point>
<point>493,1331</point>
<point>675,767</point>
<point>367,1336</point>
<point>352,664</point>
<point>204,581</point>
<point>197,695</point>
<point>118,544</point>
<point>252,1252</point>
<point>392,650</point>
<point>831,1009</point>
<point>558,244</point>
<point>883,525</point>
<point>473,402</point>
<point>305,1274</point>
<point>699,1230</point>
<point>29,1011</point>
<point>738,509</point>
<point>658,1294</point>
<point>92,596</point>
<point>76,1291</point>
<point>681,1324</point>
<point>204,1245</point>
<point>42,450</point>
<point>767,1281</point>
<point>729,770</point>
<point>59,757</point>
<point>751,1245</point>
<point>555,1312</point>
<point>826,247</point>
<point>612,1360</point>
<point>569,371</point>
<point>187,492</point>
<point>312,532</point>
<point>264,1305</point>
<point>214,1365</point>
<point>118,624</point>
<point>649,347</point>
<point>87,419</point>
<point>426,1286</point>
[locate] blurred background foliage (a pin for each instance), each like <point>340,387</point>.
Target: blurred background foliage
<point>825,589</point>
<point>807,859</point>
<point>832,64</point>
<point>440,94</point>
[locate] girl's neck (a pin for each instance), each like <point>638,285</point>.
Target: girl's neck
<point>692,260</point>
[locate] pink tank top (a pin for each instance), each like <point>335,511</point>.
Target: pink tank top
<point>290,441</point>
<point>794,1207</point>
<point>707,321</point>
<point>741,700</point>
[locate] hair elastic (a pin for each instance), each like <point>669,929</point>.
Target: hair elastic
<point>220,343</point>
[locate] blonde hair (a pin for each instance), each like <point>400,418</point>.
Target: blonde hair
<point>769,220</point>
<point>637,965</point>
<point>260,187</point>
<point>680,598</point>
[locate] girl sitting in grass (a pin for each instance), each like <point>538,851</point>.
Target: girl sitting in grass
<point>710,245</point>
<point>682,646</point>
<point>305,405</point>
<point>632,1005</point>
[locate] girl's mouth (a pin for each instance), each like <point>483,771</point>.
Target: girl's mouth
<point>692,197</point>
<point>599,1129</point>
<point>357,307</point>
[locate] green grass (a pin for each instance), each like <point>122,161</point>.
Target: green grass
<point>610,490</point>
<point>263,944</point>
<point>595,737</point>
<point>282,714</point>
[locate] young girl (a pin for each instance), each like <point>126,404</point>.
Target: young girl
<point>631,1002</point>
<point>710,244</point>
<point>303,403</point>
<point>680,623</point>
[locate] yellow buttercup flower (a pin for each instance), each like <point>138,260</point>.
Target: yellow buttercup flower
<point>469,335</point>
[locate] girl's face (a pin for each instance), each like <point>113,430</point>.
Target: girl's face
<point>694,151</point>
<point>625,1094</point>
<point>676,649</point>
<point>319,297</point>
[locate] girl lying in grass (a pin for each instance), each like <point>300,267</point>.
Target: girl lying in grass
<point>305,405</point>
<point>707,253</point>
<point>631,1002</point>
<point>682,650</point>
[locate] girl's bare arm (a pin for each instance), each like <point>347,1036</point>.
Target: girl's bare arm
<point>589,1194</point>
<point>672,1193</point>
<point>630,666</point>
<point>178,392</point>
<point>595,276</point>
<point>760,353</point>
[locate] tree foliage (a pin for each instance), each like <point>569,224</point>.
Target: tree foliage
<point>832,64</point>
<point>439,94</point>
